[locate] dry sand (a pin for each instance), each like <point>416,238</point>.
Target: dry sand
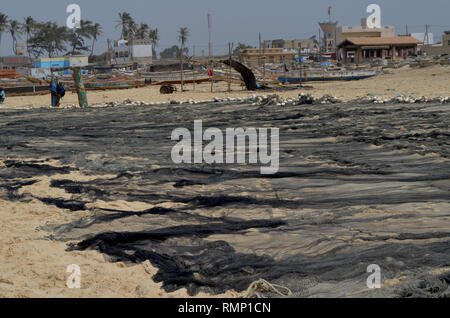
<point>33,266</point>
<point>431,81</point>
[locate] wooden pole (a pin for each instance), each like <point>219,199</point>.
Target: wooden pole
<point>259,60</point>
<point>211,67</point>
<point>264,65</point>
<point>181,68</point>
<point>79,86</point>
<point>229,67</point>
<point>212,78</point>
<point>194,77</point>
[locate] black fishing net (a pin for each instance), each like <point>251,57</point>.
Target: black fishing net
<point>357,185</point>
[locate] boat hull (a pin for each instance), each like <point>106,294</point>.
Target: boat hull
<point>323,79</point>
<point>27,90</point>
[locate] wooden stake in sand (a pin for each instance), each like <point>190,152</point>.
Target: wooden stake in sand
<point>230,48</point>
<point>79,86</point>
<point>211,74</point>
<point>181,68</point>
<point>195,78</point>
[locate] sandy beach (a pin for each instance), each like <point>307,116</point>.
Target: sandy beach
<point>305,156</point>
<point>358,185</point>
<point>430,81</point>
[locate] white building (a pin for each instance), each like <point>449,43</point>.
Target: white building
<point>139,51</point>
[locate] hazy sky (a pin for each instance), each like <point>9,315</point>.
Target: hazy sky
<point>233,20</point>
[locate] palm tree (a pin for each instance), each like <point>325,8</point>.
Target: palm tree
<point>124,22</point>
<point>28,28</point>
<point>183,34</point>
<point>154,36</point>
<point>15,29</point>
<point>132,29</point>
<point>48,38</point>
<point>96,31</point>
<point>143,31</point>
<point>3,24</point>
<point>77,37</point>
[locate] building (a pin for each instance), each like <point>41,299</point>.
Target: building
<point>14,62</point>
<point>304,46</point>
<point>439,49</point>
<point>363,49</point>
<point>329,39</point>
<point>57,62</point>
<point>20,49</point>
<point>132,51</point>
<point>78,60</point>
<point>256,57</point>
<point>62,62</point>
<point>345,32</point>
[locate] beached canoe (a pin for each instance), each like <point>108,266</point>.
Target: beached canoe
<point>324,76</point>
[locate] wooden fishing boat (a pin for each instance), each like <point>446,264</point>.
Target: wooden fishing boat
<point>27,90</point>
<point>96,84</point>
<point>172,78</point>
<point>185,81</point>
<point>321,75</point>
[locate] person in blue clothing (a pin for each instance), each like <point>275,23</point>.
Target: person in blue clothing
<point>2,95</point>
<point>58,91</point>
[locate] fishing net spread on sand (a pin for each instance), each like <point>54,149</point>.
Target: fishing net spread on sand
<point>356,186</point>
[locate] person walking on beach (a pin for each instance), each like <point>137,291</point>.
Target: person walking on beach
<point>2,95</point>
<point>58,91</point>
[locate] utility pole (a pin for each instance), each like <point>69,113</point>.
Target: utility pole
<point>427,38</point>
<point>210,48</point>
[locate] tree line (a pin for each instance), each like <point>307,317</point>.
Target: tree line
<point>47,38</point>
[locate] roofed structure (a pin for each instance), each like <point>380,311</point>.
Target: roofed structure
<point>361,49</point>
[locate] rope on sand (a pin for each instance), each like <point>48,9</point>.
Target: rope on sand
<point>260,286</point>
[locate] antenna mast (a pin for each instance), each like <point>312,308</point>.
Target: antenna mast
<point>210,47</point>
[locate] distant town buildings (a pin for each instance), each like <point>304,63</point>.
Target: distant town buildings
<point>333,34</point>
<point>132,51</point>
<point>256,57</point>
<point>14,62</point>
<point>302,46</point>
<point>438,49</point>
